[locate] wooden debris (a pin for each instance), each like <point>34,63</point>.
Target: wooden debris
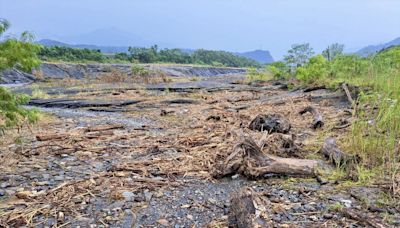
<point>248,159</point>
<point>361,218</point>
<point>279,144</point>
<point>104,128</point>
<point>318,120</point>
<point>348,94</point>
<point>271,123</point>
<point>332,152</point>
<point>247,210</point>
<point>52,136</point>
<point>310,89</point>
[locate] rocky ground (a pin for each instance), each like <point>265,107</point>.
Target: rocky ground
<point>145,156</point>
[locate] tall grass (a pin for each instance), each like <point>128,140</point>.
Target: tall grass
<point>375,132</point>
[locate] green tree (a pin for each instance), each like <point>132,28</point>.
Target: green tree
<point>22,54</point>
<point>333,51</point>
<point>298,55</point>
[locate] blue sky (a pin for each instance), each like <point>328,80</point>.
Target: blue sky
<point>233,25</point>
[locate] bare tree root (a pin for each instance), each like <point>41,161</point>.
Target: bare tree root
<point>332,152</point>
<point>248,210</point>
<point>318,120</point>
<point>248,159</point>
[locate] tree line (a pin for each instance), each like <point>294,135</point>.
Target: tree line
<point>148,55</point>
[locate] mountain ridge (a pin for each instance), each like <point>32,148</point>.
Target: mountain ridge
<point>372,49</point>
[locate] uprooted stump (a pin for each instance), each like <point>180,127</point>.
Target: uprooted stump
<point>318,120</point>
<point>271,123</point>
<point>247,210</point>
<point>280,144</point>
<point>248,159</point>
<point>332,152</point>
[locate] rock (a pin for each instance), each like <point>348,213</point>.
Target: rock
<point>163,222</point>
<point>128,196</point>
<point>190,217</point>
<point>59,178</point>
<point>147,195</point>
<point>2,192</point>
<point>346,203</point>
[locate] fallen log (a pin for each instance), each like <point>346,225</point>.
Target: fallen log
<point>104,128</point>
<point>318,120</point>
<point>53,136</point>
<point>332,152</point>
<point>248,159</point>
<point>247,210</point>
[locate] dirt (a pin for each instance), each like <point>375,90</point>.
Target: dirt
<point>155,168</point>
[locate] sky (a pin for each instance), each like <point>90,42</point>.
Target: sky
<point>232,25</point>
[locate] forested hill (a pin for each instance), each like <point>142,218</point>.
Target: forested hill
<point>261,56</point>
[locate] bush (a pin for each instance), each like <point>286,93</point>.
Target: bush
<point>316,69</point>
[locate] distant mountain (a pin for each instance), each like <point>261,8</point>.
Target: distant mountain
<point>260,56</point>
<point>104,49</point>
<point>372,49</point>
<point>108,37</point>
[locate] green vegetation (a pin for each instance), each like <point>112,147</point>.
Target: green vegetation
<point>147,55</point>
<point>375,132</point>
<point>258,74</point>
<point>22,54</point>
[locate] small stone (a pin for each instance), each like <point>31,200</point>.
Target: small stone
<point>186,206</point>
<point>59,178</point>
<point>347,203</point>
<point>2,192</point>
<point>236,176</point>
<point>4,185</point>
<point>190,217</point>
<point>163,222</point>
<point>147,195</point>
<point>128,196</point>
<point>328,216</point>
<point>313,218</point>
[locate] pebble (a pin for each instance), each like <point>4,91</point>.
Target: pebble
<point>4,185</point>
<point>2,192</point>
<point>163,222</point>
<point>128,196</point>
<point>147,195</point>
<point>59,178</point>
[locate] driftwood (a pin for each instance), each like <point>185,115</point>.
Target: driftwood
<point>348,94</point>
<point>248,159</point>
<point>48,137</point>
<point>271,123</point>
<point>310,89</point>
<point>318,120</point>
<point>332,152</point>
<point>104,128</point>
<point>247,210</point>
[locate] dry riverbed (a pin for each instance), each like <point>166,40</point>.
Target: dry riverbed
<point>130,156</point>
